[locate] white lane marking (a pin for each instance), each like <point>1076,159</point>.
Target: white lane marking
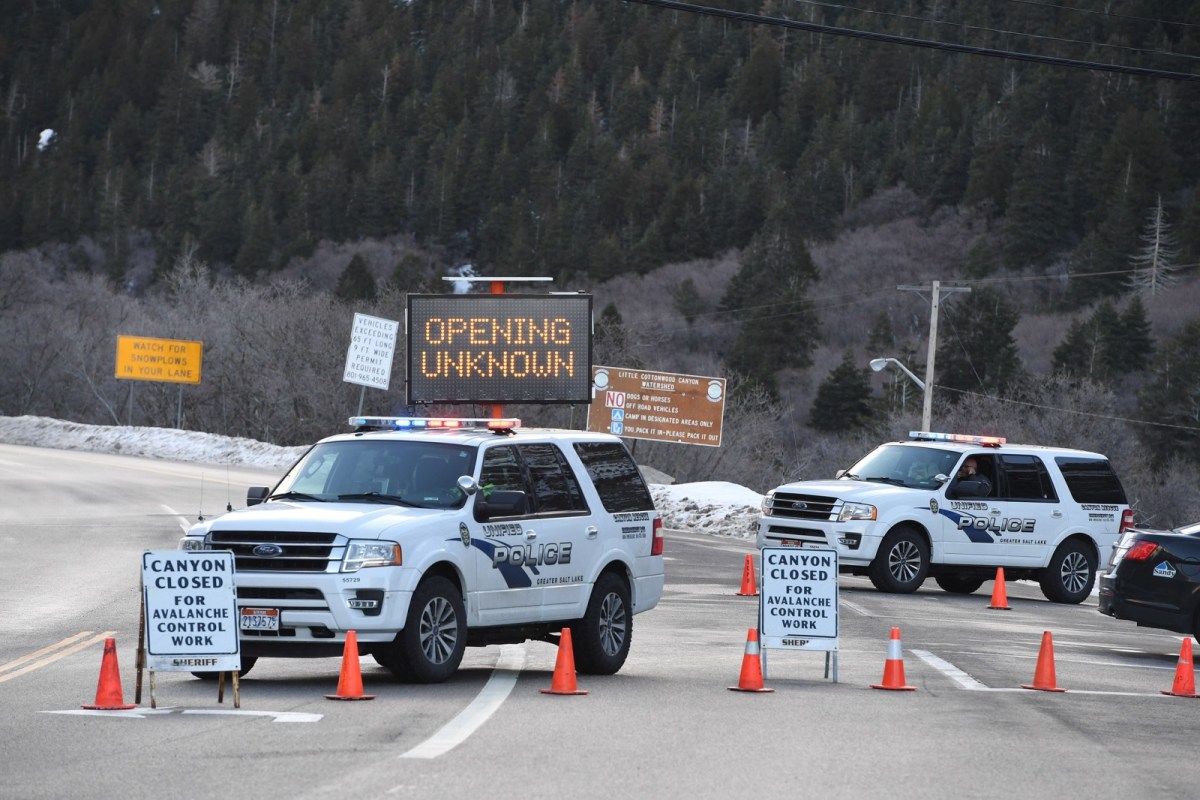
<point>857,609</point>
<point>490,697</point>
<point>949,670</point>
<point>48,655</point>
<point>183,521</point>
<point>279,716</point>
<point>142,713</point>
<point>967,682</point>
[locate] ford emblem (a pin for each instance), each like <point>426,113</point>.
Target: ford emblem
<point>799,506</point>
<point>267,550</point>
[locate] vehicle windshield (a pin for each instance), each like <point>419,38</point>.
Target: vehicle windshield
<point>408,473</point>
<point>914,467</point>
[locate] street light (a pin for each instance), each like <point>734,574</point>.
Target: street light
<point>878,364</point>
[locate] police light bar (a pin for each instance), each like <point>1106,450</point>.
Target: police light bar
<point>434,423</point>
<point>961,438</point>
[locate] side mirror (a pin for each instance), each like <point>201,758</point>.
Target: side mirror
<point>839,474</point>
<point>501,504</point>
<point>256,494</point>
<point>969,488</point>
<point>468,485</point>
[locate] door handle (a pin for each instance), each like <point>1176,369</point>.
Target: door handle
<point>531,534</point>
<point>592,531</point>
<point>1056,514</point>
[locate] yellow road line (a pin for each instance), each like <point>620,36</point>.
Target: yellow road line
<point>48,655</point>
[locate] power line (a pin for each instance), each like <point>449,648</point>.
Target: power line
<point>812,27</point>
<point>1112,14</point>
<point>1190,428</point>
<point>1001,32</point>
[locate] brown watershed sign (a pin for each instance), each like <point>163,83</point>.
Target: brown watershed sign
<point>661,406</point>
<point>171,360</point>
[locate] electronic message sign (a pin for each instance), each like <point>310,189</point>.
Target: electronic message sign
<point>499,348</point>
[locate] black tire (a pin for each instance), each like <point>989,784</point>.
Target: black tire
<point>247,665</point>
<point>902,562</point>
<point>431,646</point>
<point>1071,573</point>
<point>959,584</point>
<point>601,639</point>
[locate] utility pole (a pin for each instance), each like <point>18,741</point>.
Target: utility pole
<point>936,291</point>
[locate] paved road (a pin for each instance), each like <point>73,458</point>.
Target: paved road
<point>73,525</point>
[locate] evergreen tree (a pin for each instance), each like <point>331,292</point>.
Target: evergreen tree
<point>1081,352</point>
<point>258,240</point>
<point>611,344</point>
<point>686,299</point>
<point>1037,221</point>
<point>769,298</point>
<point>976,351</point>
<point>1131,347</point>
<point>1172,399</point>
<point>843,401</point>
<point>355,282</point>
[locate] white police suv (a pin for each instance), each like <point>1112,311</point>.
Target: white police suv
<point>427,535</point>
<point>902,513</point>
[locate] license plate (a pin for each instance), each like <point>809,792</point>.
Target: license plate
<point>791,543</point>
<point>260,619</point>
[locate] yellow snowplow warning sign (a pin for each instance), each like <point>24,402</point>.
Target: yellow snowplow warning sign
<point>172,360</point>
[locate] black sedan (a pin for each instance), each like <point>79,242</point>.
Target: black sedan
<point>1153,579</point>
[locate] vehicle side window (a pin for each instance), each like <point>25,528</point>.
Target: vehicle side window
<point>501,470</point>
<point>555,487</point>
<point>616,476</point>
<point>1091,480</point>
<point>1024,478</point>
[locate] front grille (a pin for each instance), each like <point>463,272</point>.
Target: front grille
<point>301,551</point>
<point>249,593</point>
<point>789,505</point>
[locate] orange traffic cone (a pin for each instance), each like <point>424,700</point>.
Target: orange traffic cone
<point>749,589</point>
<point>893,667</point>
<point>1185,676</point>
<point>999,593</point>
<point>564,668</point>
<point>108,690</point>
<point>1043,676</point>
<point>350,685</point>
<point>751,679</point>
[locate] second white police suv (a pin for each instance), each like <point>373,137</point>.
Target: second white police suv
<point>427,535</point>
<point>957,507</point>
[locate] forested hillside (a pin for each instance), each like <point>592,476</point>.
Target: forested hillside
<point>742,198</point>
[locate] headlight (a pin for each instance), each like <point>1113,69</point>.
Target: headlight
<point>192,543</point>
<point>768,502</point>
<point>361,554</point>
<point>856,511</point>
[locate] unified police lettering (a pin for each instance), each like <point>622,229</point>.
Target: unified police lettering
<point>502,529</point>
<point>531,555</point>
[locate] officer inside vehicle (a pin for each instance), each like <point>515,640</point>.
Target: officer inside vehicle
<point>970,482</point>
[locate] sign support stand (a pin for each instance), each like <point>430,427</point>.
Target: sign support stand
<point>798,602</point>
<point>194,601</point>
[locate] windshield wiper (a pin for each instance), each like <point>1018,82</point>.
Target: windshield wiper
<point>886,479</point>
<point>378,497</point>
<point>295,496</point>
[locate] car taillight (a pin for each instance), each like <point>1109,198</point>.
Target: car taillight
<point>1126,520</point>
<point>1141,551</point>
<point>656,543</point>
